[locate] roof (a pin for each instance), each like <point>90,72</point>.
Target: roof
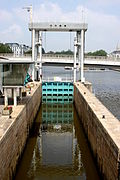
<point>115,52</point>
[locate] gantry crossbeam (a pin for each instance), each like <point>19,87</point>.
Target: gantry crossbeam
<point>58,26</point>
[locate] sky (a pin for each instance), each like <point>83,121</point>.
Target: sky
<point>102,16</point>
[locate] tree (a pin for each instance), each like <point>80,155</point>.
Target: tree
<point>68,52</point>
<point>97,53</point>
<point>50,52</point>
<point>5,48</point>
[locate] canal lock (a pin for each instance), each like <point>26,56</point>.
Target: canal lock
<point>57,146</point>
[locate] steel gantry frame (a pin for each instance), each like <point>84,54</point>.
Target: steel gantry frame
<point>79,44</point>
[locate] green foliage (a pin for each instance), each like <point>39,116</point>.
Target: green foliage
<point>97,53</point>
<point>68,52</point>
<point>5,48</point>
<point>50,52</point>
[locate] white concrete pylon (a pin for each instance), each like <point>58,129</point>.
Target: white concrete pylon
<point>36,44</point>
<point>6,97</point>
<point>15,97</point>
<point>79,49</point>
<point>33,54</point>
<point>40,51</point>
<point>75,53</point>
<point>36,53</point>
<point>82,57</point>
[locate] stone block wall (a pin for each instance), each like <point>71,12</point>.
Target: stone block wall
<point>13,140</point>
<point>102,130</point>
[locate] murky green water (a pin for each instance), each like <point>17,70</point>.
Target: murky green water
<point>57,147</point>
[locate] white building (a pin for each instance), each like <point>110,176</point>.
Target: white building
<point>18,49</point>
<point>116,53</point>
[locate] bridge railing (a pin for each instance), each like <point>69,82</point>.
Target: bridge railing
<point>71,57</point>
<point>12,55</point>
<point>62,56</point>
<point>58,56</point>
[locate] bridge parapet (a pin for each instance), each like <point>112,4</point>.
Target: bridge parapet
<point>62,56</point>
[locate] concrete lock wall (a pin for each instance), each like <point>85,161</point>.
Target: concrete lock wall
<point>14,138</point>
<point>102,130</point>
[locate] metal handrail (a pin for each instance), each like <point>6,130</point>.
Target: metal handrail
<point>63,79</point>
<point>60,56</point>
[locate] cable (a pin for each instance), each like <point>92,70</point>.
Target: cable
<point>70,40</point>
<point>45,41</point>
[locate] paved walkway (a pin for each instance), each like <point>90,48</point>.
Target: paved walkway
<point>5,121</point>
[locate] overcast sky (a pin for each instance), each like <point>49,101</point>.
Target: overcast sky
<point>102,16</point>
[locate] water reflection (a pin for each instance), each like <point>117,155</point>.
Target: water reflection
<point>57,147</point>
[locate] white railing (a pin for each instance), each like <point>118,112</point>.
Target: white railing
<point>62,56</point>
<point>16,56</point>
<point>57,56</point>
<point>62,79</point>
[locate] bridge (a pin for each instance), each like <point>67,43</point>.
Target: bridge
<point>63,60</point>
<point>60,59</point>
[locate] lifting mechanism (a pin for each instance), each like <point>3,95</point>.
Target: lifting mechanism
<point>37,28</point>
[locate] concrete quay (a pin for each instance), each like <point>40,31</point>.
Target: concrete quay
<point>102,130</point>
<point>14,131</point>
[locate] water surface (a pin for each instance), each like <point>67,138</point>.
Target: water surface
<point>106,86</point>
<point>57,147</point>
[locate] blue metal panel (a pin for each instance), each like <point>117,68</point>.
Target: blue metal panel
<point>57,92</point>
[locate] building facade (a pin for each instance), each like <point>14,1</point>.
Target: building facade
<point>18,49</point>
<point>116,53</point>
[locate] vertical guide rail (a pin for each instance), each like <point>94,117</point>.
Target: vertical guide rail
<point>36,49</point>
<point>82,57</point>
<point>33,54</point>
<point>75,53</point>
<point>36,54</point>
<point>40,51</point>
<point>79,50</point>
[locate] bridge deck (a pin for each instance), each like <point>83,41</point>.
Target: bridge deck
<point>61,60</point>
